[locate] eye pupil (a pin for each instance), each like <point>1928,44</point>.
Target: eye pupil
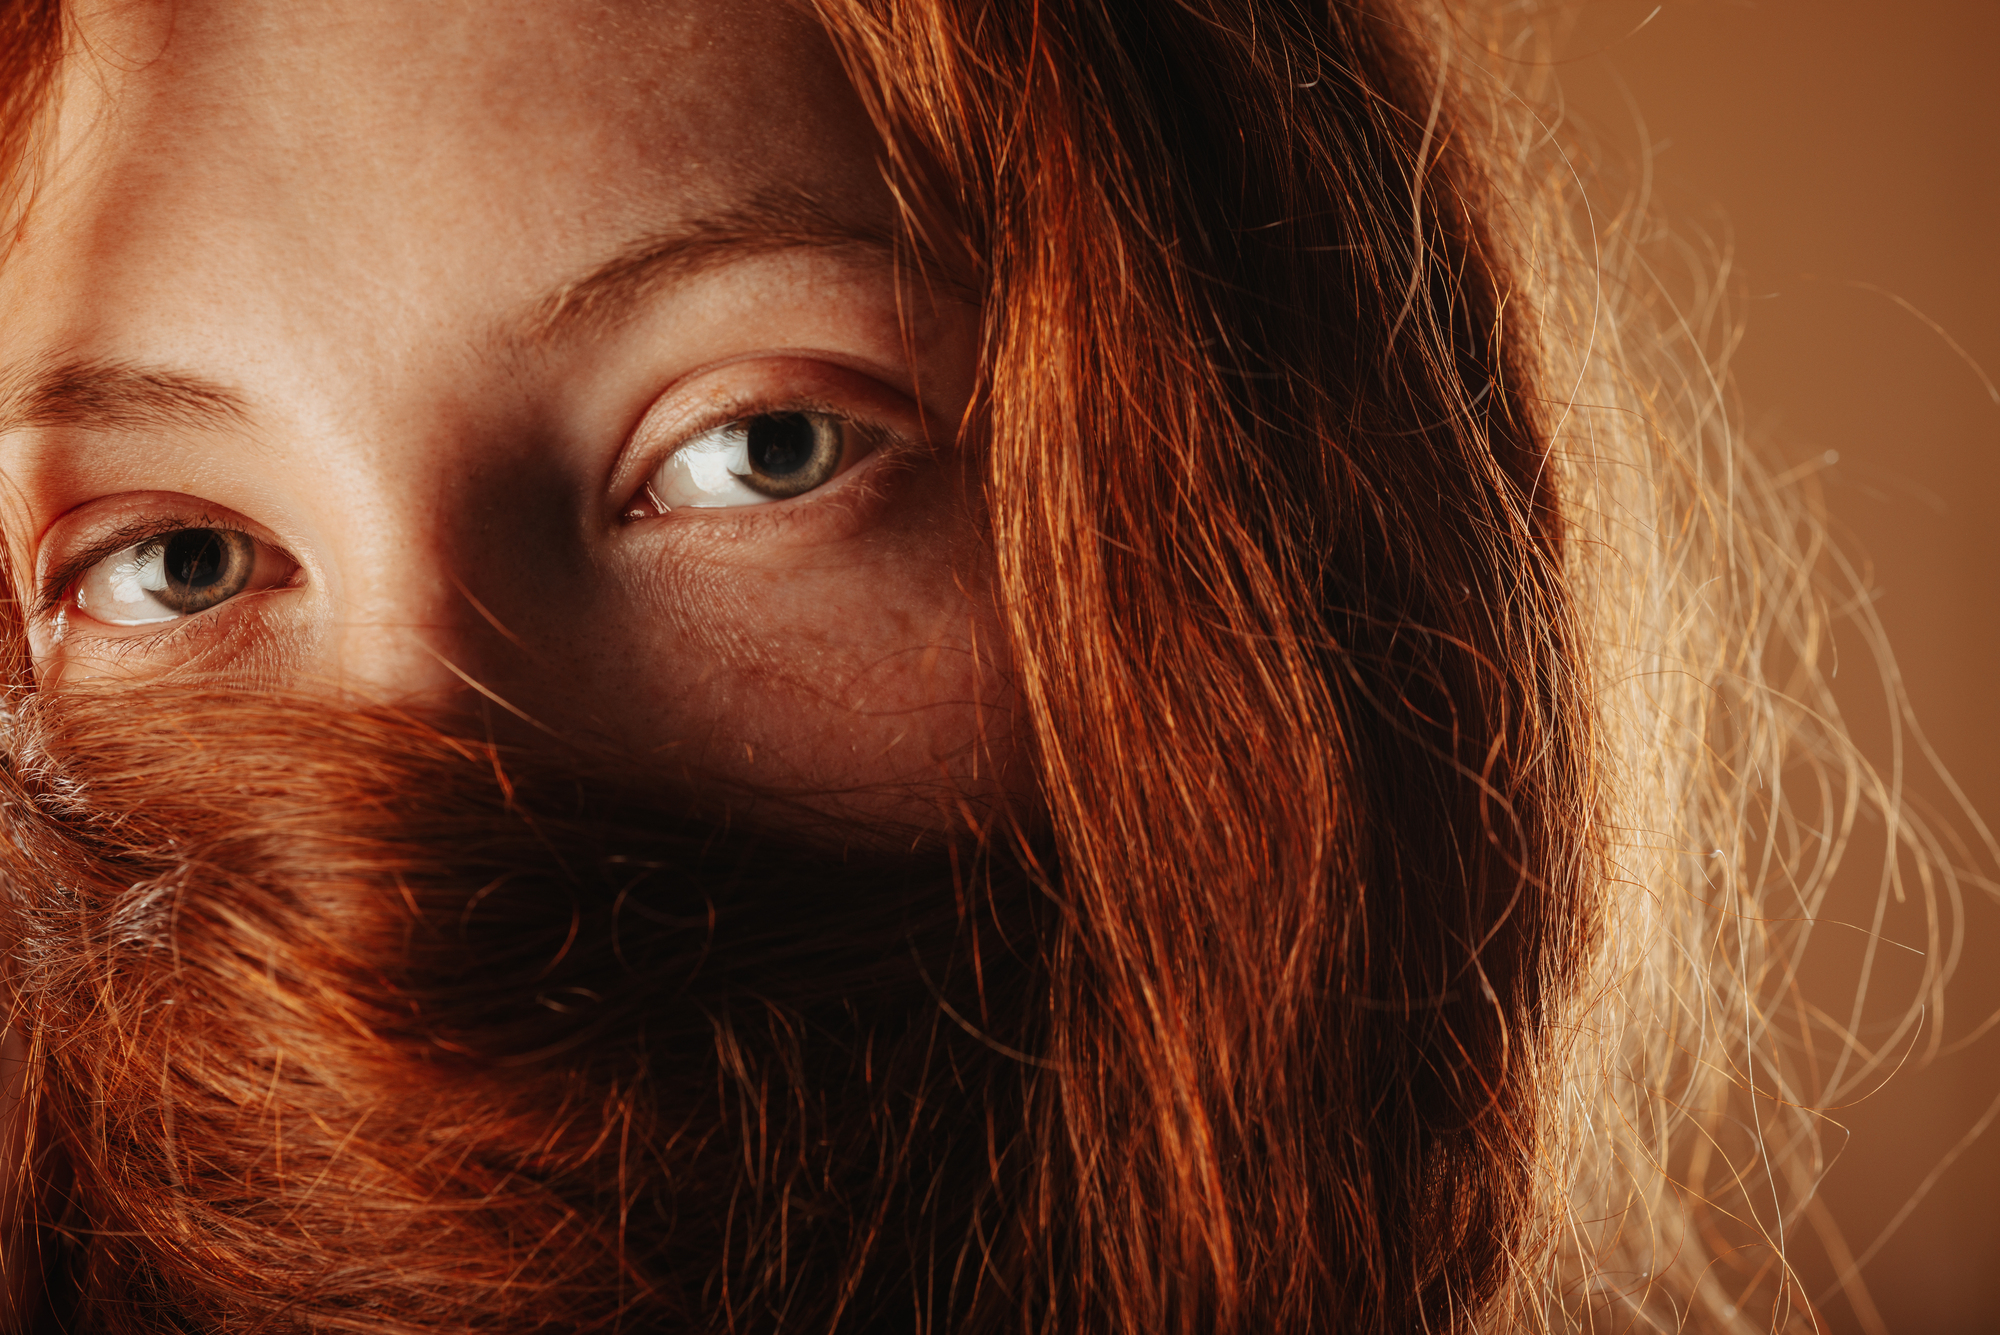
<point>196,560</point>
<point>782,444</point>
<point>201,567</point>
<point>791,453</point>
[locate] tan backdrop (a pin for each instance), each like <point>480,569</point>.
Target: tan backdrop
<point>1846,153</point>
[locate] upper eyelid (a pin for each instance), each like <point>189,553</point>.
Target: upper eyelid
<point>867,426</point>
<point>736,413</point>
<point>56,585</point>
<point>645,451</point>
<point>880,437</point>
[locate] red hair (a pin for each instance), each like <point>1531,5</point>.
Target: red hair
<point>1282,572</point>
<point>343,1020</point>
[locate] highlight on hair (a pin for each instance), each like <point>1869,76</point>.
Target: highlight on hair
<point>1392,949</point>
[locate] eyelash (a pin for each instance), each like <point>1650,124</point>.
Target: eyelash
<point>173,636</point>
<point>883,441</point>
<point>58,585</point>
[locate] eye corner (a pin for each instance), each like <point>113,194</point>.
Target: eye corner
<point>642,505</point>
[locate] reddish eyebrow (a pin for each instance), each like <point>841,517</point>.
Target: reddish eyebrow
<point>764,224</point>
<point>109,395</point>
<point>114,396</point>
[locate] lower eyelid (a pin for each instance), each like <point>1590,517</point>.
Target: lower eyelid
<point>142,640</point>
<point>133,638</point>
<point>154,650</point>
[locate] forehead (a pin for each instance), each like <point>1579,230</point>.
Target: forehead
<point>268,164</point>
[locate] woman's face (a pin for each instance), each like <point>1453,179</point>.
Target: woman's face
<point>539,357</point>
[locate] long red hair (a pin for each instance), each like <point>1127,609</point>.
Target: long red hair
<point>348,1020</point>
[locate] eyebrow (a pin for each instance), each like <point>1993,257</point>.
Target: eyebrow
<point>767,223</point>
<point>109,395</point>
<point>102,395</point>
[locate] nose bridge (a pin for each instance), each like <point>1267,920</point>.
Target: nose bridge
<point>434,586</point>
<point>395,628</point>
<point>401,541</point>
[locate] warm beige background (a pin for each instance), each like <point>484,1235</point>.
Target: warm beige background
<point>1832,144</point>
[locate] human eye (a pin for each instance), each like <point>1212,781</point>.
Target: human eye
<point>162,572</point>
<point>754,460</point>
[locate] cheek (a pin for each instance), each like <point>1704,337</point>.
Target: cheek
<point>873,670</point>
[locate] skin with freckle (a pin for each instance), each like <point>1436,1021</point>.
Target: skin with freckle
<point>349,220</point>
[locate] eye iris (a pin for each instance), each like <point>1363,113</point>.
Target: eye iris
<point>791,453</point>
<point>205,566</point>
